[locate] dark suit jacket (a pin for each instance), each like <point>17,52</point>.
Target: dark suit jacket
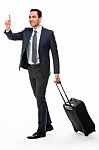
<point>47,43</point>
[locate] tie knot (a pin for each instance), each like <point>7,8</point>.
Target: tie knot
<point>35,31</point>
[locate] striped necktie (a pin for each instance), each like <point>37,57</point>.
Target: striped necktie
<point>34,47</point>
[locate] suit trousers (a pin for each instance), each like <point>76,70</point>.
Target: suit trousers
<point>39,85</point>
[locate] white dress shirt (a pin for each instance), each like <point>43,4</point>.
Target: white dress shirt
<point>29,48</point>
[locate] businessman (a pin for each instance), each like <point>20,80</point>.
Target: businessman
<point>37,42</point>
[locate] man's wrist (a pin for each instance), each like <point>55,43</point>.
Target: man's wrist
<point>56,74</point>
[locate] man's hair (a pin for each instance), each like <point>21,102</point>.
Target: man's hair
<point>38,12</point>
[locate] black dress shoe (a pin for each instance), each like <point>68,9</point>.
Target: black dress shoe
<point>37,135</point>
<point>49,127</point>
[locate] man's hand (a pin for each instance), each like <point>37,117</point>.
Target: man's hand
<point>57,78</point>
<point>8,23</point>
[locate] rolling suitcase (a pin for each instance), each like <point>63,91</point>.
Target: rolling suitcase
<point>77,113</point>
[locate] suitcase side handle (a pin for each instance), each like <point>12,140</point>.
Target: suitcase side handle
<point>59,82</point>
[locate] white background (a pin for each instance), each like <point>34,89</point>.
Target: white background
<point>76,27</point>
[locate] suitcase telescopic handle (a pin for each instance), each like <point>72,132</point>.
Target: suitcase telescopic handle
<point>59,82</point>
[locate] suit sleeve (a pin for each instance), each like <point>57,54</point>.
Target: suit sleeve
<point>14,36</point>
<point>55,55</point>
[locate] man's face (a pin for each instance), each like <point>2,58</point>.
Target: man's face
<point>34,19</point>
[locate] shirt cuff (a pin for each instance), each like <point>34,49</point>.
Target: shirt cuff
<point>8,30</point>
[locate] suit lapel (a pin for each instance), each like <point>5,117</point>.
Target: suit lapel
<point>29,33</point>
<point>27,37</point>
<point>41,37</point>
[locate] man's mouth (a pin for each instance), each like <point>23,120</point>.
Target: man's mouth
<point>31,21</point>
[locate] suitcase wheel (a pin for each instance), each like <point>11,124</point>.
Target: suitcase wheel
<point>86,134</point>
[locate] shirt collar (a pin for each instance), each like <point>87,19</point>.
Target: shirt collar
<point>38,29</point>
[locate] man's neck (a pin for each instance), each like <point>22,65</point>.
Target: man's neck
<point>36,27</point>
